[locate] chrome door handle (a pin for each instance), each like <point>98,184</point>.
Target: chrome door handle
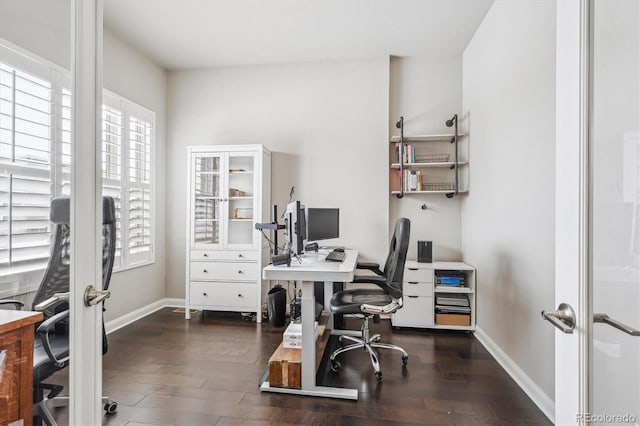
<point>604,318</point>
<point>564,318</point>
<point>93,296</point>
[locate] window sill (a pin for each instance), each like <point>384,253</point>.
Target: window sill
<point>133,266</point>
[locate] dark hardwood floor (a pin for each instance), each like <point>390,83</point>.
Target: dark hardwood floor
<point>164,370</point>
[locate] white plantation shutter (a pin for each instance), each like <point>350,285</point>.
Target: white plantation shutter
<point>128,132</point>
<point>140,229</point>
<point>112,132</point>
<point>26,142</point>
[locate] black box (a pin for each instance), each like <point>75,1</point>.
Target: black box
<point>425,254</point>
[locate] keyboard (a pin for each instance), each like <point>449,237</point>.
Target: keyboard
<point>336,256</point>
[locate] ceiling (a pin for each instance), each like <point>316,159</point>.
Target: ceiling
<point>182,34</point>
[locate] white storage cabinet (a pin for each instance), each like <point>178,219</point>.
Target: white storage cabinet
<point>228,192</point>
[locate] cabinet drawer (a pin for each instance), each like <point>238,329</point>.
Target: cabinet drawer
<point>418,275</point>
<point>416,311</point>
<point>237,255</point>
<point>224,271</point>
<point>415,288</point>
<point>229,295</point>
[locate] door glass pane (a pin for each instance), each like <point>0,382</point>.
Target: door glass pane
<point>35,168</point>
<point>207,199</point>
<point>241,199</point>
<point>616,209</point>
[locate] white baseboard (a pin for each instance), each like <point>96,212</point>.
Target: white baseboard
<point>140,313</point>
<point>537,395</point>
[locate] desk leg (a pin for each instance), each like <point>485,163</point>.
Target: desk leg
<point>328,294</point>
<point>308,336</point>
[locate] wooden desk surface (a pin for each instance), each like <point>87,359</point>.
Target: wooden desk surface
<point>16,375</point>
<point>12,320</point>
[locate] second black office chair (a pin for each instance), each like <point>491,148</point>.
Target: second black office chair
<point>51,346</point>
<point>372,303</point>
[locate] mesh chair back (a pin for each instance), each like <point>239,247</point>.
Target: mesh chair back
<point>56,276</point>
<point>394,266</point>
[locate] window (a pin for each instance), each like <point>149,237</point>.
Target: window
<point>35,164</point>
<point>127,141</point>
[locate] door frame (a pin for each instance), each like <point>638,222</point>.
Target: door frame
<point>85,377</point>
<point>572,351</point>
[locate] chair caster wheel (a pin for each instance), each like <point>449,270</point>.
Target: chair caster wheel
<point>379,376</point>
<point>111,407</point>
<point>336,366</point>
<point>404,360</point>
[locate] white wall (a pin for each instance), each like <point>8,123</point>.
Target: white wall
<point>326,123</point>
<point>43,28</point>
<point>508,216</point>
<point>427,92</point>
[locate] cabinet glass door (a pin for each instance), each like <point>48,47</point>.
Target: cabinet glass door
<point>207,193</point>
<point>241,204</point>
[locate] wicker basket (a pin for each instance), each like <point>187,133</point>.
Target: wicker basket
<point>446,186</point>
<point>432,158</point>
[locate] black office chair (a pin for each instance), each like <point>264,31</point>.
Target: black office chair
<point>374,302</point>
<point>51,346</point>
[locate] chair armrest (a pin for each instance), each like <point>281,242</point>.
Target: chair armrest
<point>370,266</point>
<point>386,309</point>
<point>18,304</point>
<point>369,279</point>
<point>45,329</point>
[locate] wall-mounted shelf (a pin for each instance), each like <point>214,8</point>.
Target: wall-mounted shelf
<point>447,137</point>
<point>444,164</point>
<point>412,162</point>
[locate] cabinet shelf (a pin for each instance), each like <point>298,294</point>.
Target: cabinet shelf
<point>241,220</point>
<point>451,289</point>
<point>250,197</point>
<point>444,164</point>
<point>241,172</point>
<point>445,137</point>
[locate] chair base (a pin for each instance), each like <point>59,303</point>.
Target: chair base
<point>43,409</point>
<point>369,343</point>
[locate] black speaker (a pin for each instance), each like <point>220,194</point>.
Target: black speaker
<point>425,254</point>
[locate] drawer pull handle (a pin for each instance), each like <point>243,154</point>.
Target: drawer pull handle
<point>413,269</point>
<point>205,271</point>
<point>239,295</point>
<point>240,255</point>
<point>412,297</point>
<point>205,255</point>
<point>240,272</point>
<point>204,294</point>
<point>413,282</point>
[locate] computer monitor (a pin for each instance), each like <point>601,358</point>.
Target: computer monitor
<point>323,224</point>
<point>296,227</point>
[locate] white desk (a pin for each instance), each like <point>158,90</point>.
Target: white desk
<point>313,268</point>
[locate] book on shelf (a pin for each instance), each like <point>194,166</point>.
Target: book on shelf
<point>408,153</point>
<point>412,179</point>
<point>450,278</point>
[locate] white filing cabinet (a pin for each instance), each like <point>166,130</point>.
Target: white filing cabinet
<point>228,191</point>
<point>419,295</point>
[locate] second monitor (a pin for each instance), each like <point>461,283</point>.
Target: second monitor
<point>322,224</point>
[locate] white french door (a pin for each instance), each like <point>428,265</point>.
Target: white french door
<point>597,216</point>
<point>85,380</point>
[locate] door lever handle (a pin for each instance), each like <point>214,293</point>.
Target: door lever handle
<point>93,296</point>
<point>605,319</point>
<point>564,318</point>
